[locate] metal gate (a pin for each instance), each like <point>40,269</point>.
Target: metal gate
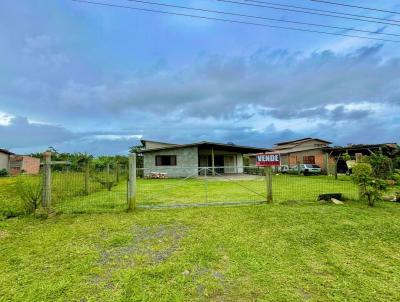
<point>201,186</point>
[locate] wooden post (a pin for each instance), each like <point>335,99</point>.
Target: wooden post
<point>206,184</point>
<point>132,183</point>
<point>212,161</point>
<point>108,168</point>
<point>87,176</point>
<point>268,182</point>
<point>117,171</point>
<point>335,168</point>
<point>46,190</point>
<point>326,163</point>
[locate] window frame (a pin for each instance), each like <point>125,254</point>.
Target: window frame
<point>173,162</point>
<point>306,159</point>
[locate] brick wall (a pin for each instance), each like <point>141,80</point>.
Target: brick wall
<point>29,165</point>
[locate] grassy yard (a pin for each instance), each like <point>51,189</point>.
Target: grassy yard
<point>282,252</point>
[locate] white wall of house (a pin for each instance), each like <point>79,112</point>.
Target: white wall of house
<point>4,161</point>
<point>186,162</point>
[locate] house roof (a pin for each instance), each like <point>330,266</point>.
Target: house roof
<point>302,140</point>
<point>226,147</point>
<point>143,141</point>
<point>6,151</point>
<point>297,149</point>
<point>388,146</point>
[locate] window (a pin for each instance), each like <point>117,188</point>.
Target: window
<point>165,160</point>
<point>309,159</point>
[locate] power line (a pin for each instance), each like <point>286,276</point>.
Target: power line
<point>321,10</point>
<point>314,12</point>
<point>233,21</point>
<point>357,6</point>
<point>260,17</point>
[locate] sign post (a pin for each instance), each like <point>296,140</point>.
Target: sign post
<point>268,160</point>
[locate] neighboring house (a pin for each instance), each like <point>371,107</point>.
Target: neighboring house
<point>5,159</point>
<point>304,151</point>
<point>24,164</point>
<point>179,160</point>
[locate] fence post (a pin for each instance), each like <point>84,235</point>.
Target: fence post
<point>46,189</point>
<point>206,184</point>
<point>268,182</point>
<point>132,182</point>
<point>335,171</point>
<point>87,175</point>
<point>117,171</point>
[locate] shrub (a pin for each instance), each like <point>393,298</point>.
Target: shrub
<point>30,192</point>
<point>3,173</point>
<point>107,181</point>
<point>396,176</point>
<point>370,188</point>
<point>381,165</point>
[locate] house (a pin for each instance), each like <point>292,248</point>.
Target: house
<point>24,164</point>
<point>304,151</point>
<point>184,160</point>
<point>5,159</point>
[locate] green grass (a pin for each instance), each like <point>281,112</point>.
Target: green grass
<point>66,186</point>
<point>297,252</point>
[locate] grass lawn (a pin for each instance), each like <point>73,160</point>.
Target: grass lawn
<point>281,252</point>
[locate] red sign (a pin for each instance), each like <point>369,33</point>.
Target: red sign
<point>268,159</point>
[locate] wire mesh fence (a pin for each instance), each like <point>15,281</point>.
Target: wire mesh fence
<point>165,186</point>
<point>89,189</point>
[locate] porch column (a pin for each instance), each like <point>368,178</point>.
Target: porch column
<point>212,161</point>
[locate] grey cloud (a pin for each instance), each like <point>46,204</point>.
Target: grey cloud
<point>218,85</point>
<point>21,133</point>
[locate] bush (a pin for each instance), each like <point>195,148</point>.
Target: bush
<point>107,181</point>
<point>396,176</point>
<point>370,188</point>
<point>3,173</point>
<point>30,192</point>
<point>382,165</point>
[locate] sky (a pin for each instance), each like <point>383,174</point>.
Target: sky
<point>88,78</point>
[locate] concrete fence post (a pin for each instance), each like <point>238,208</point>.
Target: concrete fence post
<point>46,189</point>
<point>132,182</point>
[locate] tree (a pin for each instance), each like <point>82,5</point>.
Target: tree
<point>370,187</point>
<point>139,158</point>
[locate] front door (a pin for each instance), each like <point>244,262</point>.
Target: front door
<point>219,164</point>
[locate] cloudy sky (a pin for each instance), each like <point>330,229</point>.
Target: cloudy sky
<point>90,78</point>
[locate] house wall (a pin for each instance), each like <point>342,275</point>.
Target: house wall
<point>31,165</point>
<point>186,162</point>
<point>4,161</point>
<point>298,158</point>
<point>27,164</point>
